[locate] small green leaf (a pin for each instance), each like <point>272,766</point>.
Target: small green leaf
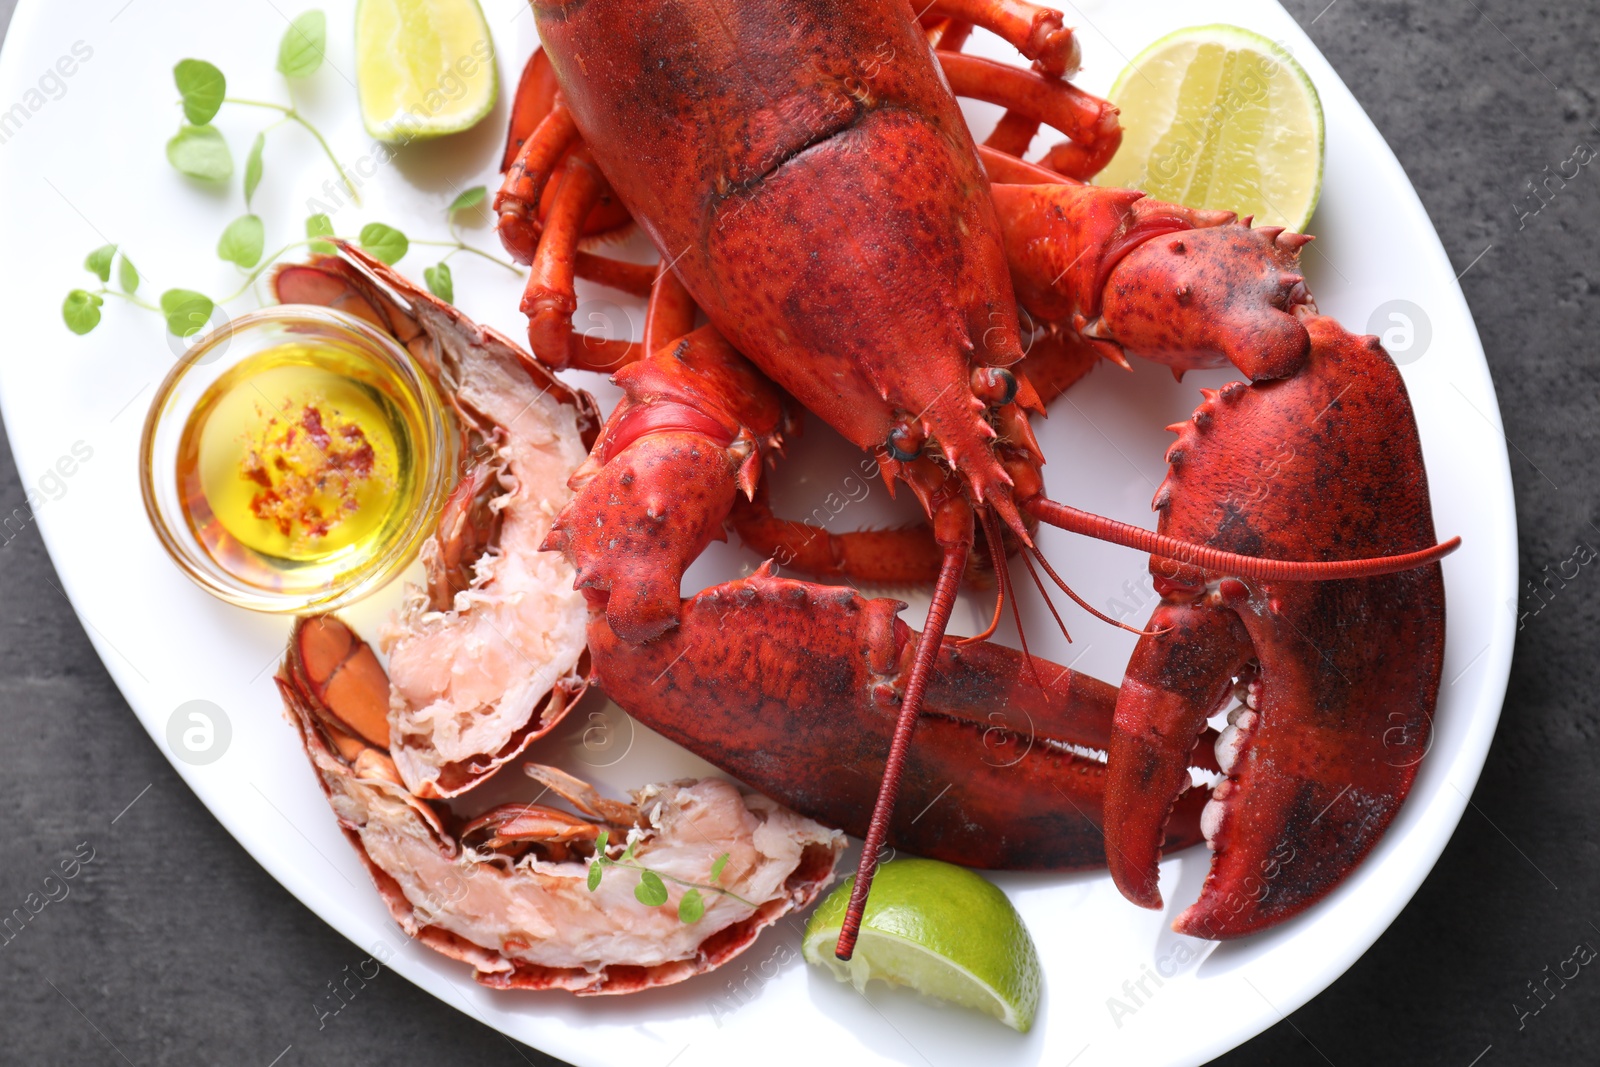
<point>691,906</point>
<point>716,868</point>
<point>594,876</point>
<point>471,198</point>
<point>127,275</point>
<point>203,88</point>
<point>627,853</point>
<point>81,311</point>
<point>440,283</point>
<point>320,226</point>
<point>187,311</point>
<point>252,168</point>
<point>384,242</point>
<point>243,241</point>
<point>201,152</point>
<point>650,891</point>
<point>98,262</point>
<point>300,51</point>
<point>600,842</point>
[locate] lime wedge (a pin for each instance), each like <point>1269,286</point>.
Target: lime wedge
<point>424,68</point>
<point>939,929</point>
<point>1219,117</point>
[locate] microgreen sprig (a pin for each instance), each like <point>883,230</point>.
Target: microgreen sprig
<point>438,278</point>
<point>199,150</point>
<point>651,891</point>
<point>188,312</point>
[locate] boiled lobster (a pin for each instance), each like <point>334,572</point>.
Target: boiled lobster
<point>806,175</point>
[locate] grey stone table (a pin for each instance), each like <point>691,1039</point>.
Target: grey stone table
<point>174,947</point>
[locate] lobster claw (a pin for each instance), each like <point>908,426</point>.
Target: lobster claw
<point>1177,285</point>
<point>1339,678</point>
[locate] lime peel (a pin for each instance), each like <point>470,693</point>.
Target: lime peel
<point>1223,118</point>
<point>424,68</point>
<point>939,929</point>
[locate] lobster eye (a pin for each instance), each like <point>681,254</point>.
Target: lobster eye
<point>995,386</point>
<point>906,441</point>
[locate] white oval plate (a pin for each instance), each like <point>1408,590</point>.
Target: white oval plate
<point>82,164</point>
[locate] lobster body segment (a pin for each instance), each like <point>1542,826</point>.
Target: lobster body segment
<point>810,179</point>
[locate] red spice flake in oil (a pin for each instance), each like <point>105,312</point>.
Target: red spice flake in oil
<point>301,473</point>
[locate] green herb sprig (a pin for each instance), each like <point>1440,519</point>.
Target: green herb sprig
<point>188,312</point>
<point>200,151</point>
<point>651,891</point>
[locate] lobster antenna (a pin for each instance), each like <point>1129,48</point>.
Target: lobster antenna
<point>992,521</point>
<point>1084,604</point>
<point>1204,557</point>
<point>997,559</point>
<point>1051,604</point>
<point>944,599</point>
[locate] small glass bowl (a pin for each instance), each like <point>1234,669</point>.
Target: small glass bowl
<point>332,582</point>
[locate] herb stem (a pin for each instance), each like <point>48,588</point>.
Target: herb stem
<point>250,279</point>
<point>355,197</point>
<point>682,882</point>
<point>291,113</point>
<point>462,246</point>
<point>129,297</point>
<point>258,103</point>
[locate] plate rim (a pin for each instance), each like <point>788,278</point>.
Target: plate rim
<point>1446,810</point>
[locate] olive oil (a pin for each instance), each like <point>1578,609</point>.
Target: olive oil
<point>296,467</point>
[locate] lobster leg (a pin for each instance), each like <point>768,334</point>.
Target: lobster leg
<point>549,297</point>
<point>690,433</point>
<point>517,201</point>
<point>905,556</point>
<point>1036,32</point>
<point>635,279</point>
<point>1014,132</point>
<point>1005,167</point>
<point>764,676</point>
<point>670,313</point>
<point>1089,122</point>
<point>536,96</point>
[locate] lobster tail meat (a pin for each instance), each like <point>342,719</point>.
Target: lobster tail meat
<point>486,656</point>
<point>1339,677</point>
